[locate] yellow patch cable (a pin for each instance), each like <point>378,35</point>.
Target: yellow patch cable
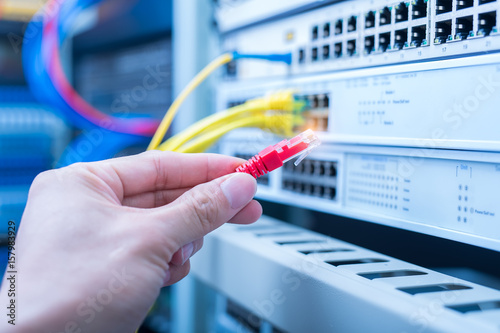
<point>195,82</point>
<point>281,124</point>
<point>283,101</point>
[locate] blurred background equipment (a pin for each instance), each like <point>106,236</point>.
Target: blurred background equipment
<point>117,55</point>
<point>31,137</point>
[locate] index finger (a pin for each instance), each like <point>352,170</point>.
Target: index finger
<point>155,171</point>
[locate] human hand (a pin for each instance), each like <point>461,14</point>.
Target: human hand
<point>99,240</point>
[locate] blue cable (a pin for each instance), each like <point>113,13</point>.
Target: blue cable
<point>286,57</point>
<point>44,90</point>
<point>97,145</point>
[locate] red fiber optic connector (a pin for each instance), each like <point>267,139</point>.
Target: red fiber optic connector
<point>273,157</point>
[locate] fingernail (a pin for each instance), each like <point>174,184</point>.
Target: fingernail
<point>187,252</point>
<point>239,189</point>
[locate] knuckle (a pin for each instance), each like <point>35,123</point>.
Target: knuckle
<point>43,179</point>
<point>204,208</point>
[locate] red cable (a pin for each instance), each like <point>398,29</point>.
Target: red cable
<point>274,156</point>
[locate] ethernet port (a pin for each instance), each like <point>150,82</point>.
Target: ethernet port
<point>337,49</point>
<point>369,20</point>
<point>463,27</point>
<point>443,6</point>
<point>385,16</point>
<point>369,44</point>
<point>330,193</point>
<point>332,170</point>
<point>400,38</point>
<point>325,101</point>
<point>326,51</point>
<point>401,12</point>
<point>310,168</point>
<point>338,27</point>
<point>482,2</point>
<point>302,56</point>
<point>384,41</point>
<point>486,23</point>
<point>319,191</point>
<point>314,34</point>
<point>352,23</point>
<point>461,4</point>
<point>326,30</point>
<point>443,32</point>
<point>351,47</point>
<point>321,168</point>
<point>313,101</point>
<point>418,35</point>
<point>231,68</point>
<point>314,54</point>
<point>419,9</point>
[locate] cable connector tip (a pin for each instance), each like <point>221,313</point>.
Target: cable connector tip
<point>274,156</point>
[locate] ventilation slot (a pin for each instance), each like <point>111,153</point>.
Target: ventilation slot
<point>434,288</point>
<point>257,228</point>
<point>482,306</point>
<point>294,242</point>
<point>355,261</point>
<point>389,274</point>
<point>249,321</point>
<point>279,233</point>
<point>325,251</point>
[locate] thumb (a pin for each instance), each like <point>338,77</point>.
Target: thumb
<point>206,207</point>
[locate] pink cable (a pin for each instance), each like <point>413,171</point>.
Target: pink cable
<point>52,59</point>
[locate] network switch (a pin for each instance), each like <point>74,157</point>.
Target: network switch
<point>366,34</point>
<point>404,97</point>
